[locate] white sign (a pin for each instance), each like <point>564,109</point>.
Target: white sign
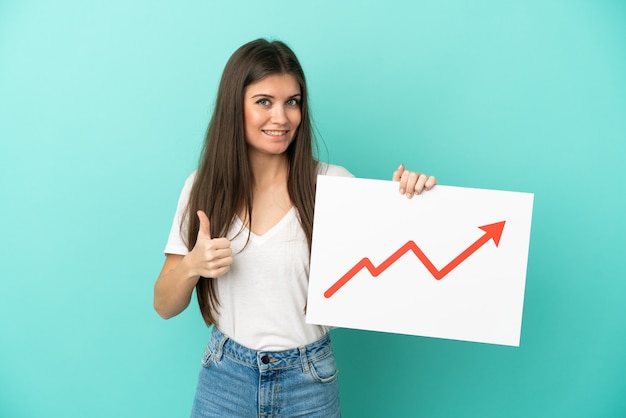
<point>449,263</point>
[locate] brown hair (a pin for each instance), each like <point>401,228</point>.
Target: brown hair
<point>223,182</point>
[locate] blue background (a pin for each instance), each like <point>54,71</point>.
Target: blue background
<point>103,108</point>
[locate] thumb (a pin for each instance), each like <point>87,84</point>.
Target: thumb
<point>398,173</point>
<point>205,225</point>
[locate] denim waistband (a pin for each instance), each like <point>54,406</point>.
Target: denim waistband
<point>221,344</point>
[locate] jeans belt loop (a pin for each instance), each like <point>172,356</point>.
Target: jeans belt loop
<point>219,349</point>
<point>303,358</point>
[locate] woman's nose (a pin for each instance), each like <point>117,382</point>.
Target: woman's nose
<point>278,114</point>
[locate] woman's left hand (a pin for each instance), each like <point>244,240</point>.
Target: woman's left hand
<point>412,182</point>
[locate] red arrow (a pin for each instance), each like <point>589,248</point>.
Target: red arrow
<point>492,231</point>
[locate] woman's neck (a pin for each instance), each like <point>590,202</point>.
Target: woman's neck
<point>269,170</point>
<point>270,201</point>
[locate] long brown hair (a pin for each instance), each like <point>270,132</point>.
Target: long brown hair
<point>223,182</point>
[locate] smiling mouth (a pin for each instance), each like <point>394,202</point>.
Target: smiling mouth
<point>275,133</point>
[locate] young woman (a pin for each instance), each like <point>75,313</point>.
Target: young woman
<point>241,238</point>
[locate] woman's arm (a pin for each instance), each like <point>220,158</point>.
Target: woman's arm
<point>210,257</point>
<point>174,286</point>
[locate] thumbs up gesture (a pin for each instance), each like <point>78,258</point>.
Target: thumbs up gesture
<point>210,257</point>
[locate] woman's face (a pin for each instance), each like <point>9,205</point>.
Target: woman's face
<point>272,113</point>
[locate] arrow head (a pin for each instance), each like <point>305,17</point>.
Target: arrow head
<point>493,231</point>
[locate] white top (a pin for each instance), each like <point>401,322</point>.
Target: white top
<point>263,295</point>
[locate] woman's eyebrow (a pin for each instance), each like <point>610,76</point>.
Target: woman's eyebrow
<point>272,97</point>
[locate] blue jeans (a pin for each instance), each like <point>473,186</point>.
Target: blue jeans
<point>236,381</point>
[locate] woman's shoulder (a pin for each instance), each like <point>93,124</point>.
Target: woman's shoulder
<point>189,181</point>
<point>187,185</point>
<point>191,177</point>
<point>332,170</point>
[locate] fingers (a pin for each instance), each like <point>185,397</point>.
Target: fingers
<point>412,182</point>
<point>215,257</point>
<point>430,183</point>
<point>218,260</point>
<point>205,225</point>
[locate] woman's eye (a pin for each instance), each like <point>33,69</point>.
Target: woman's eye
<point>263,102</point>
<point>292,102</point>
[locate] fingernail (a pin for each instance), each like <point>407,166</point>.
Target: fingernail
<point>402,191</point>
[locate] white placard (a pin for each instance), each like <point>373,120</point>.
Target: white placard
<point>449,263</point>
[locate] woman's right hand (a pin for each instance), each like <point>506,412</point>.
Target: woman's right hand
<point>210,257</point>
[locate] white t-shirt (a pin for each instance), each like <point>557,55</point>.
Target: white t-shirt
<point>263,295</point>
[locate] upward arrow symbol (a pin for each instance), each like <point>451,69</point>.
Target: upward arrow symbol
<point>492,232</point>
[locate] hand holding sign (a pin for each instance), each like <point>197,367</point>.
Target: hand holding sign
<point>412,182</point>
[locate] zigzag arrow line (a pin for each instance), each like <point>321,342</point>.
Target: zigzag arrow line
<point>492,231</point>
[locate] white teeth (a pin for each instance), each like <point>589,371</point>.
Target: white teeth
<point>275,133</point>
